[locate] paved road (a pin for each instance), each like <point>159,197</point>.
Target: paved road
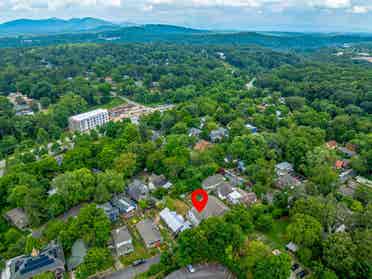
<point>129,101</point>
<point>131,272</point>
<point>207,271</point>
<point>250,85</point>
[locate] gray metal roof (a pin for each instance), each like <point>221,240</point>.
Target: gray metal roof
<point>173,220</point>
<point>78,252</point>
<point>121,235</point>
<point>148,231</point>
<point>213,181</point>
<point>137,190</point>
<point>214,207</point>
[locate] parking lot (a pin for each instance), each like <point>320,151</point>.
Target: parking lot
<point>202,272</point>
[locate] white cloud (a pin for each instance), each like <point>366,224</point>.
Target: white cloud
<point>208,3</point>
<point>360,9</point>
<point>200,13</point>
<point>330,4</point>
<point>60,4</point>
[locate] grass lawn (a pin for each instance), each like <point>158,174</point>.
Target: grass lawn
<point>177,205</point>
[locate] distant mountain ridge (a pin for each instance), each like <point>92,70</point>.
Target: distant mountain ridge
<point>32,27</point>
<point>90,30</point>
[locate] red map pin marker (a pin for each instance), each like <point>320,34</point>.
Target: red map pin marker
<point>199,199</point>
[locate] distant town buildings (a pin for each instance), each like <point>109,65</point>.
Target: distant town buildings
<point>218,134</point>
<point>88,120</point>
<point>21,103</point>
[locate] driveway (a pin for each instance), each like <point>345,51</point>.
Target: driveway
<point>133,271</point>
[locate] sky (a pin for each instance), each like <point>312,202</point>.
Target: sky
<point>273,15</point>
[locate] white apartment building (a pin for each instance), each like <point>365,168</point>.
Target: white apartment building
<point>88,120</point>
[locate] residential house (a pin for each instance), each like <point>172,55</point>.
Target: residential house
<point>212,182</point>
<point>286,176</point>
<point>284,168</point>
<point>175,222</point>
<point>214,207</point>
<point>234,179</point>
<point>158,181</point>
<point>249,198</point>
<point>251,128</point>
<point>364,181</point>
<point>137,190</point>
<point>149,232</point>
<point>218,134</point>
<point>349,188</point>
<point>138,83</point>
<point>78,252</point>
<point>223,190</point>
<point>124,205</point>
<point>49,259</point>
<point>18,218</point>
<point>235,196</point>
<point>111,212</point>
<point>122,241</point>
<point>345,175</point>
<point>341,164</point>
<point>109,80</point>
<point>332,144</point>
<point>202,145</point>
<point>239,196</point>
<point>194,132</point>
<point>288,180</point>
<point>292,247</point>
<point>155,84</point>
<point>241,166</point>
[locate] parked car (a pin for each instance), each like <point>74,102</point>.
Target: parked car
<point>138,262</point>
<point>295,266</point>
<point>302,274</point>
<point>190,268</point>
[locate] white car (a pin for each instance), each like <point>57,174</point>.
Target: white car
<point>190,268</point>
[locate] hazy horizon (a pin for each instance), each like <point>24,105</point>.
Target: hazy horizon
<point>238,15</point>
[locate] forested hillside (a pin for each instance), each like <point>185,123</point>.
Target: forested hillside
<point>178,35</point>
